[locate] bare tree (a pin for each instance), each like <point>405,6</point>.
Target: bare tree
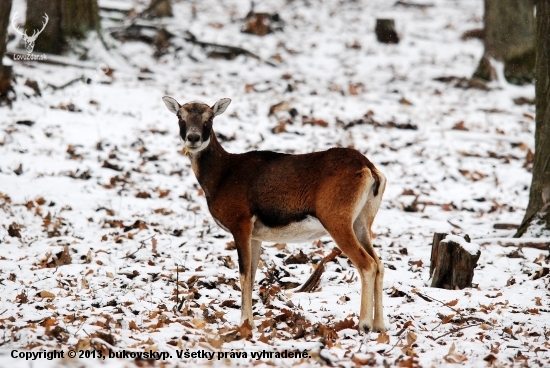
<point>537,217</point>
<point>5,74</point>
<point>509,37</point>
<point>66,19</point>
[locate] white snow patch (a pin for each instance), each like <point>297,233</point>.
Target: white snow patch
<point>471,248</point>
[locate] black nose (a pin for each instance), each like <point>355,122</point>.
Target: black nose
<point>193,138</point>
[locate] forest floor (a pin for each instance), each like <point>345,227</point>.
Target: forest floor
<point>106,241</point>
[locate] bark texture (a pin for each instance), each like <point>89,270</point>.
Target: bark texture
<point>79,17</point>
<point>510,37</point>
<point>67,19</point>
<point>5,73</point>
<point>537,217</point>
<point>451,266</point>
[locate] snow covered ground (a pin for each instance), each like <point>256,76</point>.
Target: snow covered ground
<point>99,208</point>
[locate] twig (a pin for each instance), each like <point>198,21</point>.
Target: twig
<point>79,327</point>
<point>140,247</point>
<point>456,330</point>
<point>454,225</point>
<point>439,301</point>
<point>400,332</point>
<point>362,343</point>
<point>179,304</point>
<point>313,280</point>
<point>400,338</point>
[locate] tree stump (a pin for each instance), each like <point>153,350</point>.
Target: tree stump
<point>385,31</point>
<point>485,70</point>
<point>453,261</point>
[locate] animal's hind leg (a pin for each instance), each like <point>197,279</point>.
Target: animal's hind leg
<point>361,227</point>
<point>337,209</point>
<point>343,235</point>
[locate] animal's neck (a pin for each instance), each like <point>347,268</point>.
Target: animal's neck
<point>210,164</point>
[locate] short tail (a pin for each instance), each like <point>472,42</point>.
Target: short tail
<point>376,186</point>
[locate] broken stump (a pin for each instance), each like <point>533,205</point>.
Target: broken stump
<point>261,24</point>
<point>385,31</point>
<point>485,70</point>
<point>453,261</point>
<point>315,277</point>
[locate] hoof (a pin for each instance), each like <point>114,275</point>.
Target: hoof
<point>379,328</point>
<point>365,327</point>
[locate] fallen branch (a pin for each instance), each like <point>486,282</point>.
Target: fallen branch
<point>456,330</point>
<point>505,226</point>
<point>541,246</point>
<point>225,51</point>
<point>69,83</point>
<point>413,5</point>
<point>315,277</point>
<point>536,243</point>
<point>138,32</point>
<point>113,9</point>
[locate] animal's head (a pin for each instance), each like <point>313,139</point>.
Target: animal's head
<point>195,120</point>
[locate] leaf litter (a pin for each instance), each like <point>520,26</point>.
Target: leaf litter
<point>107,243</point>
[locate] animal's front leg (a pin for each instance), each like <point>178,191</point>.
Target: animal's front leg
<point>244,250</point>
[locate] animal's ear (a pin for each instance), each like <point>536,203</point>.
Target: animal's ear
<point>171,104</point>
<point>220,106</point>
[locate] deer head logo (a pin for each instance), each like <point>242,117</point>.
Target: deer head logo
<point>29,40</point>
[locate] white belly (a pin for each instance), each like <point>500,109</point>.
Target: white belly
<point>296,232</point>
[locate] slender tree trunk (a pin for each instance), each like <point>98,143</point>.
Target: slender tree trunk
<point>67,19</point>
<point>79,17</point>
<point>5,74</point>
<point>51,39</point>
<point>537,217</point>
<point>510,37</point>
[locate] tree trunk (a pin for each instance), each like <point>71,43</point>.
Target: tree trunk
<point>452,264</point>
<point>5,74</point>
<point>510,37</point>
<point>79,17</point>
<point>67,19</point>
<point>536,222</point>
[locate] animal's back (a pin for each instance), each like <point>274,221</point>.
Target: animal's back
<point>295,180</point>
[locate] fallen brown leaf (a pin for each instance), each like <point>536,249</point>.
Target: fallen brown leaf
<point>383,338</point>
